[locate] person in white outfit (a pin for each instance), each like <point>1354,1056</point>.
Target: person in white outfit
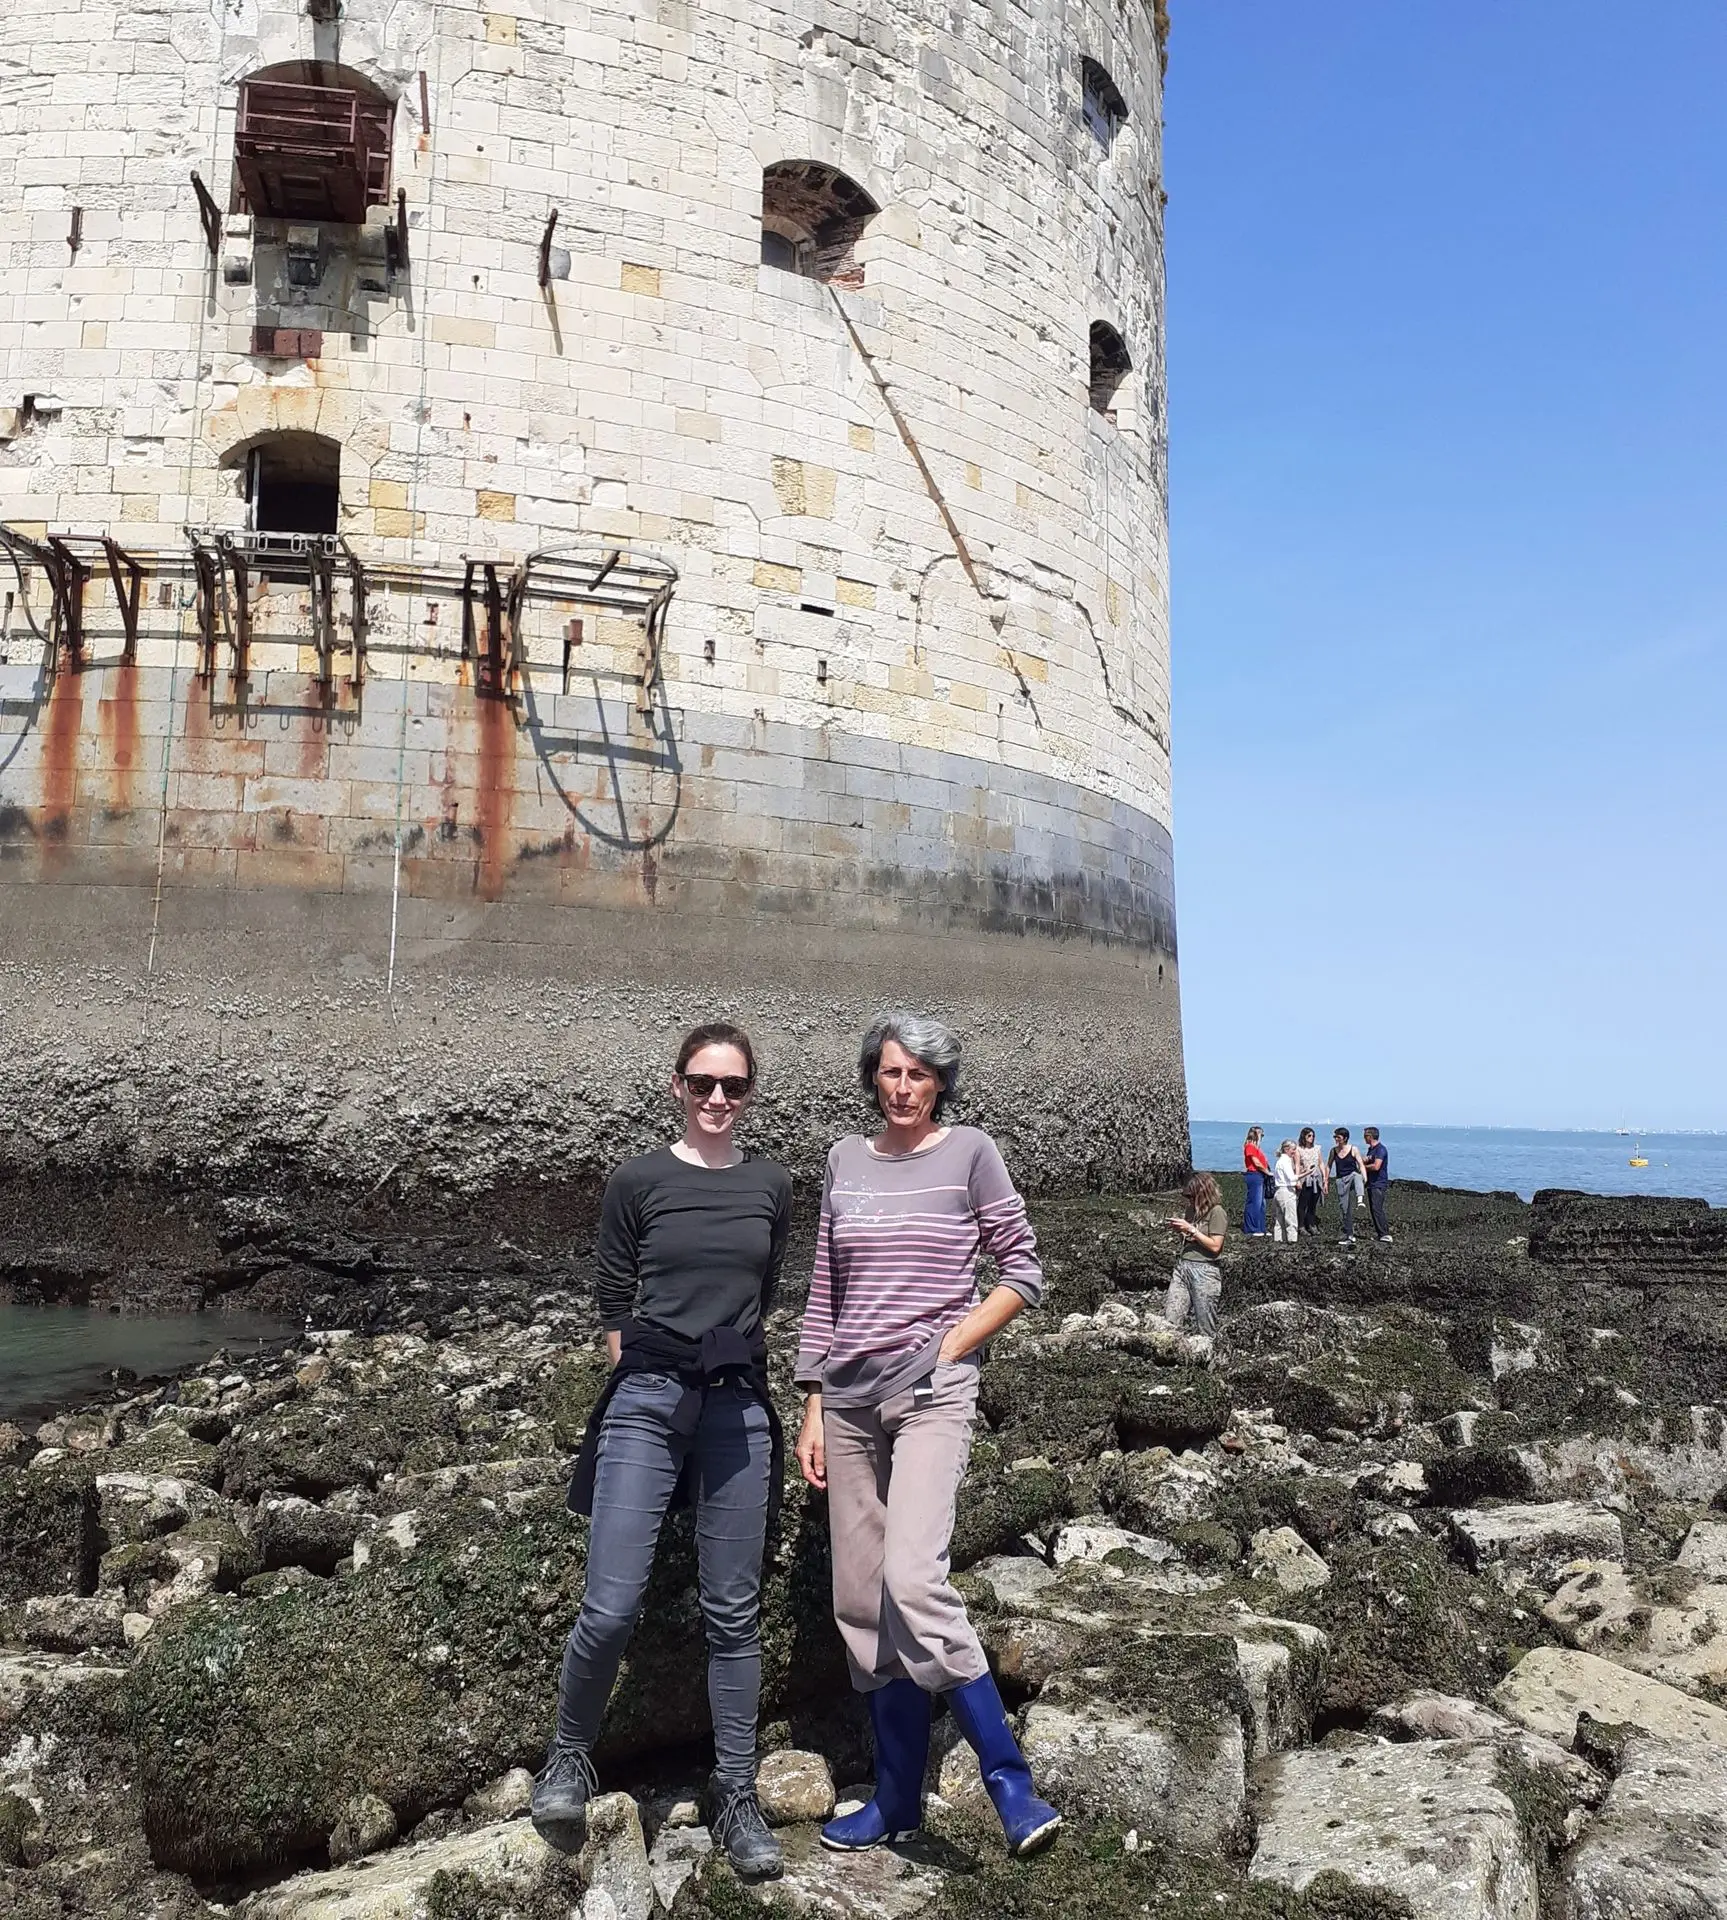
<point>1286,1182</point>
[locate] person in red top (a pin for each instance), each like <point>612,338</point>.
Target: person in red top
<point>1258,1170</point>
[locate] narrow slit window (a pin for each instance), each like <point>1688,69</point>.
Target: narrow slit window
<point>1105,109</point>
<point>812,219</point>
<point>1110,366</point>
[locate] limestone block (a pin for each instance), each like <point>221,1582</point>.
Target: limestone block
<point>1658,1847</point>
<point>1705,1549</point>
<point>1550,1686</point>
<point>367,1825</point>
<point>141,1506</point>
<point>64,1623</point>
<point>508,1861</point>
<point>1538,1544</point>
<point>1426,1822</point>
<point>1185,1786</point>
<point>615,1859</point>
<point>678,1851</point>
<point>793,1786</point>
<point>1281,1555</point>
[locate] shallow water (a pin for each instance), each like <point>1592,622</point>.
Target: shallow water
<point>55,1357</point>
<point>1519,1159</point>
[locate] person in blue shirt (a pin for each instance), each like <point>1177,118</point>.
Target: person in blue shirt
<point>1378,1182</point>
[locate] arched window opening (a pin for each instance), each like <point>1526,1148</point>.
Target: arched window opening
<point>1110,366</point>
<point>312,142</point>
<point>812,219</point>
<point>293,484</point>
<point>1105,109</point>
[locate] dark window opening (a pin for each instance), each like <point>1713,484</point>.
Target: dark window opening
<point>812,219</point>
<point>1110,366</point>
<point>1105,109</point>
<point>293,484</point>
<point>312,142</point>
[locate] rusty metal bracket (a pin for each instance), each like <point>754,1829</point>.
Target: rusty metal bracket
<point>546,249</point>
<point>396,241</point>
<point>356,614</point>
<point>128,591</point>
<point>75,233</point>
<point>610,561</point>
<point>653,634</point>
<point>321,573</point>
<point>67,574</point>
<point>242,635</point>
<point>204,565</point>
<point>489,666</point>
<point>209,213</point>
<point>572,640</point>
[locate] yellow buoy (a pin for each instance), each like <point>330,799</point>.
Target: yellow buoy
<point>1637,1159</point>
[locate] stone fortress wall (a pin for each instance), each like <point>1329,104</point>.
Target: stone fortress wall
<point>710,622</point>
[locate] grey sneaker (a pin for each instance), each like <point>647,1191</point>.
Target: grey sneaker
<point>562,1789</point>
<point>741,1830</point>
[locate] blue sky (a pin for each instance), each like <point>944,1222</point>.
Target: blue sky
<point>1448,414</point>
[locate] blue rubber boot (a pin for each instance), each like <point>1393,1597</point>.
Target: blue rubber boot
<point>900,1715</point>
<point>1027,1821</point>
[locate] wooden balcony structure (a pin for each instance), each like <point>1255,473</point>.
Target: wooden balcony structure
<point>312,153</point>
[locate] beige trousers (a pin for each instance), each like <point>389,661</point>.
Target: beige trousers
<point>893,1472</point>
<point>1283,1226</point>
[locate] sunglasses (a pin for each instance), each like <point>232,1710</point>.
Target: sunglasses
<point>733,1085</point>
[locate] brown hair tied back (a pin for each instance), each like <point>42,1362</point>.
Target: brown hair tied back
<point>1201,1193</point>
<point>716,1033</point>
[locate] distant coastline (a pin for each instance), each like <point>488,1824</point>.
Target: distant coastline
<point>1522,1160</point>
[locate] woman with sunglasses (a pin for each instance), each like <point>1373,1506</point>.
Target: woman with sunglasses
<point>691,1240</point>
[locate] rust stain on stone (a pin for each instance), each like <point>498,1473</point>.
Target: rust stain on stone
<point>119,724</point>
<point>60,755</point>
<point>496,780</point>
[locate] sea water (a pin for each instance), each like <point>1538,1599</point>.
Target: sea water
<point>1513,1159</point>
<point>54,1357</point>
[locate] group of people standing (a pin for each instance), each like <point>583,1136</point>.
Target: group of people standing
<point>1297,1185</point>
<point>692,1239</point>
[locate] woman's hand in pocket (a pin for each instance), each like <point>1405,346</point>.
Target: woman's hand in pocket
<point>812,1444</point>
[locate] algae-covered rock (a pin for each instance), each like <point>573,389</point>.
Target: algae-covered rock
<point>49,1540</point>
<point>427,1672</point>
<point>316,1446</point>
<point>1073,1402</point>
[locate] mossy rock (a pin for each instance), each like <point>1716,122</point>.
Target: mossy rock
<point>17,1817</point>
<point>567,1398</point>
<point>998,1503</point>
<point>318,1446</point>
<point>1397,1372</point>
<point>1322,1510</point>
<point>164,1448</point>
<point>421,1676</point>
<point>1402,1619</point>
<point>1070,1404</point>
<point>1468,1475</point>
<point>50,1541</point>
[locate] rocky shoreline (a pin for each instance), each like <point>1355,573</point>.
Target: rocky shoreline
<point>1408,1597</point>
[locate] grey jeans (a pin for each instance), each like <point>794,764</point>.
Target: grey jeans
<point>893,1471</point>
<point>640,1458</point>
<point>1194,1291</point>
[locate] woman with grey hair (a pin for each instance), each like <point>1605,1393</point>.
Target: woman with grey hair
<point>889,1358</point>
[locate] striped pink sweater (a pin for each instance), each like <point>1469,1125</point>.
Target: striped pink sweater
<point>896,1259</point>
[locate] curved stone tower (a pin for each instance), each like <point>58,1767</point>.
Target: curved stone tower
<point>528,528</point>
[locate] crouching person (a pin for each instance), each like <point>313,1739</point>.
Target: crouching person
<point>691,1241</point>
<point>889,1355</point>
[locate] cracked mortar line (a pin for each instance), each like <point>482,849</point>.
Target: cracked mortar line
<point>197,410</point>
<point>413,487</point>
<point>990,601</point>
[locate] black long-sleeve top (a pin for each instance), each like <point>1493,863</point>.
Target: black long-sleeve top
<point>689,1248</point>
